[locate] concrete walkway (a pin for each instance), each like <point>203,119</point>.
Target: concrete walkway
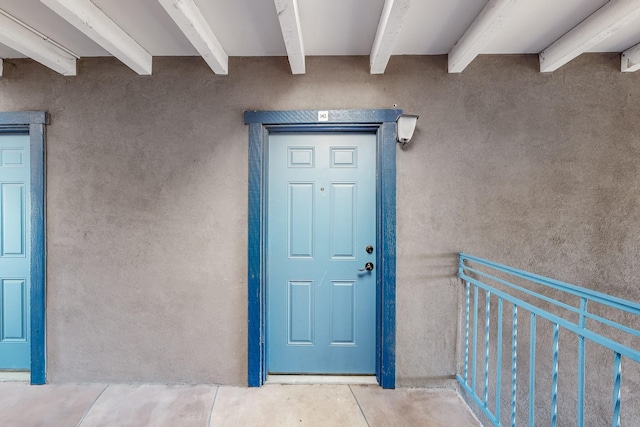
<point>89,405</point>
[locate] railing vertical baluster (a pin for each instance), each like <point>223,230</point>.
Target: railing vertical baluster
<point>581,347</point>
<point>499,360</point>
<point>514,362</point>
<point>487,319</point>
<point>475,338</point>
<point>466,334</point>
<point>554,376</point>
<point>532,371</point>
<point>617,379</point>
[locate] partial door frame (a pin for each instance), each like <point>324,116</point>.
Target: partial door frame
<point>383,124</point>
<point>33,123</point>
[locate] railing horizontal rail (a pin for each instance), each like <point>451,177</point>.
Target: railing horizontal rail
<point>593,336</point>
<point>557,303</point>
<point>619,303</point>
<point>500,286</point>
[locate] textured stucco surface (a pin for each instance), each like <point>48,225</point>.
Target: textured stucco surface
<point>147,198</point>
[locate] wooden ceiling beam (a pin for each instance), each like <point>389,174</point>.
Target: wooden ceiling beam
<point>96,25</point>
<point>289,18</point>
<point>631,59</point>
<point>392,19</point>
<point>189,18</point>
<point>26,40</point>
<point>604,22</point>
<point>482,30</point>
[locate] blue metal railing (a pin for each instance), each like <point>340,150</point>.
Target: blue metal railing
<point>532,294</point>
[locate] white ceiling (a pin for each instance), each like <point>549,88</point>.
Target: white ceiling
<point>332,27</point>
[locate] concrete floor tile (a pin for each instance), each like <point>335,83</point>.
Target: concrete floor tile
<point>413,407</point>
<point>64,405</point>
<point>152,405</point>
<point>286,405</point>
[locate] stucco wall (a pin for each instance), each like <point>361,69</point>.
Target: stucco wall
<point>147,197</point>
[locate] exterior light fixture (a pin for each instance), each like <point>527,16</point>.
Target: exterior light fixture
<point>405,125</point>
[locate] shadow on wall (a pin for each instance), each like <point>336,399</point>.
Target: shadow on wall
<point>429,266</point>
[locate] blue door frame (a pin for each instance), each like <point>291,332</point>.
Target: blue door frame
<point>383,123</point>
<point>33,123</point>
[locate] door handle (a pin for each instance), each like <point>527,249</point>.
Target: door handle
<point>367,267</point>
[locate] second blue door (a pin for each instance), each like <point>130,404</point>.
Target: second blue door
<point>321,236</point>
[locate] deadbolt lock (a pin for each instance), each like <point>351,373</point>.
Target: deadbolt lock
<point>369,249</point>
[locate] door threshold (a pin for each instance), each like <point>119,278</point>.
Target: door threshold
<point>17,376</point>
<point>323,379</point>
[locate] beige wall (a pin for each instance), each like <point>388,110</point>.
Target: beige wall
<point>147,197</point>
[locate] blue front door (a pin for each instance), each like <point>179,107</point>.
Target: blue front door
<point>321,233</point>
<point>15,214</point>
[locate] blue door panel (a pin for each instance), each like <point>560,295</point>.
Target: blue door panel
<point>343,220</point>
<point>300,322</point>
<point>300,220</point>
<point>12,198</point>
<point>343,312</point>
<point>321,216</point>
<point>15,351</point>
<point>14,326</point>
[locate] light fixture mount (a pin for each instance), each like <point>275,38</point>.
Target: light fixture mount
<point>405,126</point>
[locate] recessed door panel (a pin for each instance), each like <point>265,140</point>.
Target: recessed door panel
<point>12,157</point>
<point>301,157</point>
<point>12,230</point>
<point>300,229</point>
<point>13,327</point>
<point>343,220</point>
<point>344,157</point>
<point>343,312</point>
<point>300,313</point>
